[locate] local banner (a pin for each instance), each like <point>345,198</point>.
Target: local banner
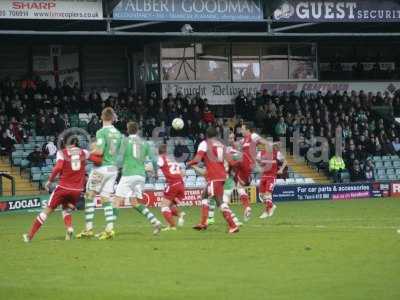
<point>225,93</point>
<point>51,9</point>
<point>338,11</point>
<point>29,203</point>
<point>189,10</point>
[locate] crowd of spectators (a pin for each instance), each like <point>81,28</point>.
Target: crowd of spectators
<point>363,131</point>
<point>34,107</point>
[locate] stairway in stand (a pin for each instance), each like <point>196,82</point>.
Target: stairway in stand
<point>22,184</point>
<point>300,167</point>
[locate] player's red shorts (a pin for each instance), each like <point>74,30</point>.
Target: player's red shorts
<point>243,175</point>
<point>175,192</point>
<point>215,188</point>
<point>267,184</point>
<point>63,197</point>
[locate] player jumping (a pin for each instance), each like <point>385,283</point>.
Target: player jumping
<point>212,153</point>
<point>135,152</point>
<point>243,173</point>
<point>269,160</point>
<point>174,191</point>
<point>102,178</point>
<point>70,165</point>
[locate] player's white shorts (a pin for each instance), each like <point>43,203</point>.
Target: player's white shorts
<point>130,187</point>
<point>102,180</point>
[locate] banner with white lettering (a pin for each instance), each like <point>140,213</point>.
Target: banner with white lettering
<point>189,10</point>
<point>338,11</point>
<point>225,93</point>
<point>51,9</point>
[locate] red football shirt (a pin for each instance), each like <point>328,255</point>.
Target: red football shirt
<point>269,162</point>
<point>212,153</point>
<point>170,169</point>
<point>249,144</point>
<point>71,165</point>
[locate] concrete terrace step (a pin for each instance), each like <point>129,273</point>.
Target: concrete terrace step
<point>303,169</point>
<point>23,184</point>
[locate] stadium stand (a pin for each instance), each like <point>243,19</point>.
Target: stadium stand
<point>32,116</point>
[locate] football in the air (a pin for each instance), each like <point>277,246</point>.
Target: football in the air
<point>178,123</point>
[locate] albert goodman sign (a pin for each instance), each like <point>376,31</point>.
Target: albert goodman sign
<point>189,10</point>
<point>338,11</point>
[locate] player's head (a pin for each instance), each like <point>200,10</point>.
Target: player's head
<point>211,132</point>
<point>231,138</point>
<point>132,128</point>
<point>247,129</point>
<point>162,149</point>
<point>70,140</point>
<point>73,141</point>
<point>108,115</point>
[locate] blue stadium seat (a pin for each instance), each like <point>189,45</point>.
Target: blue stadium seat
<point>396,163</point>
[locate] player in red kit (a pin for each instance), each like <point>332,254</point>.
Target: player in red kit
<point>174,191</point>
<point>212,153</point>
<point>70,165</point>
<point>272,163</point>
<point>243,173</point>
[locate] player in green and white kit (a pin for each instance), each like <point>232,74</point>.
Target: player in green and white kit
<point>102,178</point>
<point>135,153</point>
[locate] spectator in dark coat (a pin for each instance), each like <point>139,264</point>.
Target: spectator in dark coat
<point>36,158</point>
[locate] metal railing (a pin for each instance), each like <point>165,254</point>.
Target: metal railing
<point>12,180</point>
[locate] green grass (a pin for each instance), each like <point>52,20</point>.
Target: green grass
<point>308,250</point>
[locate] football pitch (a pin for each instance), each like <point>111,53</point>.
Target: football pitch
<point>307,250</point>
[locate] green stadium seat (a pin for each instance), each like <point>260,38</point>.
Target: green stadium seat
<point>390,171</point>
<point>392,177</point>
<point>40,138</point>
<point>36,177</point>
<point>29,147</point>
<point>381,172</point>
<point>19,147</point>
<point>35,170</point>
<point>379,165</point>
<point>387,164</point>
<point>46,169</point>
<point>386,158</point>
<point>396,164</point>
<point>24,163</point>
<point>394,157</point>
<point>377,158</point>
<point>382,177</point>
